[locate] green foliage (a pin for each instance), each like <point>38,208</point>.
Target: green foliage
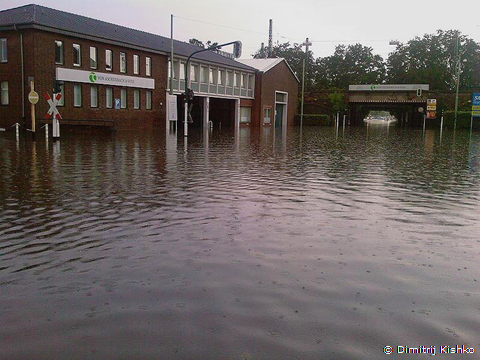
<point>200,43</point>
<point>337,101</point>
<point>313,120</point>
<point>463,120</point>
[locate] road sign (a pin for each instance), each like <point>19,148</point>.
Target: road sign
<point>53,106</point>
<point>117,103</point>
<point>420,109</point>
<point>431,115</point>
<point>33,97</point>
<point>431,104</point>
<point>476,104</point>
<point>172,107</point>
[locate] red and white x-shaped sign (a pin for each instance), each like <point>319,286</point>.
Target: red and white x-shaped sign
<point>53,106</point>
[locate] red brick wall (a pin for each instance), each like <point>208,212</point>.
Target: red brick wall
<point>278,78</point>
<point>40,63</point>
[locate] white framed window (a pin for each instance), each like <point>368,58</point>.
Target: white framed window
<point>204,74</point>
<point>94,96</point>
<point>267,115</point>
<point>148,100</point>
<point>194,70</point>
<point>109,95</point>
<point>108,60</point>
<point>3,50</point>
<point>4,93</point>
<point>77,95</point>
<point>123,62</point>
<point>93,57</point>
<point>182,71</point>
<point>221,75</point>
<point>62,99</point>
<point>245,114</point>
<point>229,79</point>
<point>236,79</point>
<point>211,76</point>
<point>281,97</point>
<point>136,63</point>
<point>250,82</point>
<point>59,52</point>
<point>123,98</point>
<point>136,99</point>
<point>175,71</point>
<point>77,55</point>
<point>149,66</point>
<point>243,81</point>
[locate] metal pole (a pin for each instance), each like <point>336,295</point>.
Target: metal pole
<point>32,107</point>
<point>172,56</point>
<point>458,81</point>
<point>186,78</point>
<point>441,126</point>
<point>424,117</point>
<point>302,94</point>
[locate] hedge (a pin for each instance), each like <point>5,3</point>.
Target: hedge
<point>313,120</point>
<point>463,120</point>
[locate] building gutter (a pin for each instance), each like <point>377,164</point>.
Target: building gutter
<point>22,71</point>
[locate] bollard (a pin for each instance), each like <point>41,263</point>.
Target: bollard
<point>46,131</point>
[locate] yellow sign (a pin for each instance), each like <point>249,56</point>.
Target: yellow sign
<point>475,110</point>
<point>431,104</point>
<point>33,97</point>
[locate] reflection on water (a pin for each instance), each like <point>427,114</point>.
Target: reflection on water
<point>329,244</point>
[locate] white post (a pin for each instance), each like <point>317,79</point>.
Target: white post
<point>237,114</point>
<point>17,131</point>
<point>344,117</point>
<point>185,118</point>
<point>423,132</point>
<point>206,113</point>
<point>46,131</point>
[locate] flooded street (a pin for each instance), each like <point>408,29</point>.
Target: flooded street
<point>320,245</point>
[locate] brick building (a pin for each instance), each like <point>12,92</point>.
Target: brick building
<point>117,76</point>
<point>276,98</point>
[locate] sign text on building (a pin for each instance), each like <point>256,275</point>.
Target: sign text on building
<point>388,87</point>
<point>76,75</point>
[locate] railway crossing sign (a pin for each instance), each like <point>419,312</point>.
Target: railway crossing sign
<point>54,113</point>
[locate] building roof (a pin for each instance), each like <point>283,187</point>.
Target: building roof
<point>41,17</point>
<point>265,64</point>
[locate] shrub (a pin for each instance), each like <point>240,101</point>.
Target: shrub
<point>463,120</point>
<point>313,120</point>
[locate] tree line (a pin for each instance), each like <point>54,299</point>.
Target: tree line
<point>431,59</point>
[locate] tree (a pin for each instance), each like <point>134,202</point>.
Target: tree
<point>352,64</point>
<point>433,59</point>
<point>200,43</point>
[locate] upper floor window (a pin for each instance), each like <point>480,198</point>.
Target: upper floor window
<point>59,52</point>
<point>77,55</point>
<point>236,79</point>
<point>4,93</point>
<point>204,75</point>
<point>93,57</point>
<point>123,63</point>
<point>3,49</point>
<point>137,100</point>
<point>182,72</point>
<point>243,81</point>
<point>193,75</point>
<point>123,98</point>
<point>94,96</point>
<point>229,79</point>
<point>148,66</point>
<point>136,64</point>
<point>211,75</point>
<point>250,82</point>
<point>108,59</point>
<point>77,95</point>
<point>221,79</point>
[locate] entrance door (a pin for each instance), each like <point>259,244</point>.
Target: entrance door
<point>279,115</point>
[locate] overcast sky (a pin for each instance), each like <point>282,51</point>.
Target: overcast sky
<point>328,23</point>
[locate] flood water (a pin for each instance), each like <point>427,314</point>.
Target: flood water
<point>241,246</point>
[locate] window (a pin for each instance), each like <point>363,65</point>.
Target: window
<point>4,93</point>
<point>148,100</point>
<point>77,55</point>
<point>62,99</point>
<point>109,93</point>
<point>136,64</point>
<point>148,66</point>
<point>267,115</point>
<point>136,99</point>
<point>108,59</point>
<point>123,98</point>
<point>245,114</point>
<point>193,75</point>
<point>280,97</point>
<point>221,79</point>
<point>94,98</point>
<point>77,95</point>
<point>182,72</point>
<point>175,71</point>
<point>243,81</point>
<point>229,79</point>
<point>250,82</point>
<point>204,74</point>
<point>123,63</point>
<point>3,50</point>
<point>236,79</point>
<point>93,57</point>
<point>211,75</point>
<point>59,52</point>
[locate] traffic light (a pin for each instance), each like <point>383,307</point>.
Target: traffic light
<point>419,92</point>
<point>57,86</point>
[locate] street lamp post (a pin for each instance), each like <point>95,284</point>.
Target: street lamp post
<point>237,54</point>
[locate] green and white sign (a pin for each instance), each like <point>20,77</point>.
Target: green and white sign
<point>109,79</point>
<point>388,87</point>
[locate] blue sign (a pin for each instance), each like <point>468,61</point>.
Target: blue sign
<point>476,104</point>
<point>117,103</point>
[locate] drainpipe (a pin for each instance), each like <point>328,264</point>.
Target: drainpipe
<point>22,70</point>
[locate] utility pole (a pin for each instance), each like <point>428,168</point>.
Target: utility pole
<point>307,44</point>
<point>171,91</point>
<point>458,69</point>
<point>270,38</point>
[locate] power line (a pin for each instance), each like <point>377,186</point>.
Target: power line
<point>222,26</point>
